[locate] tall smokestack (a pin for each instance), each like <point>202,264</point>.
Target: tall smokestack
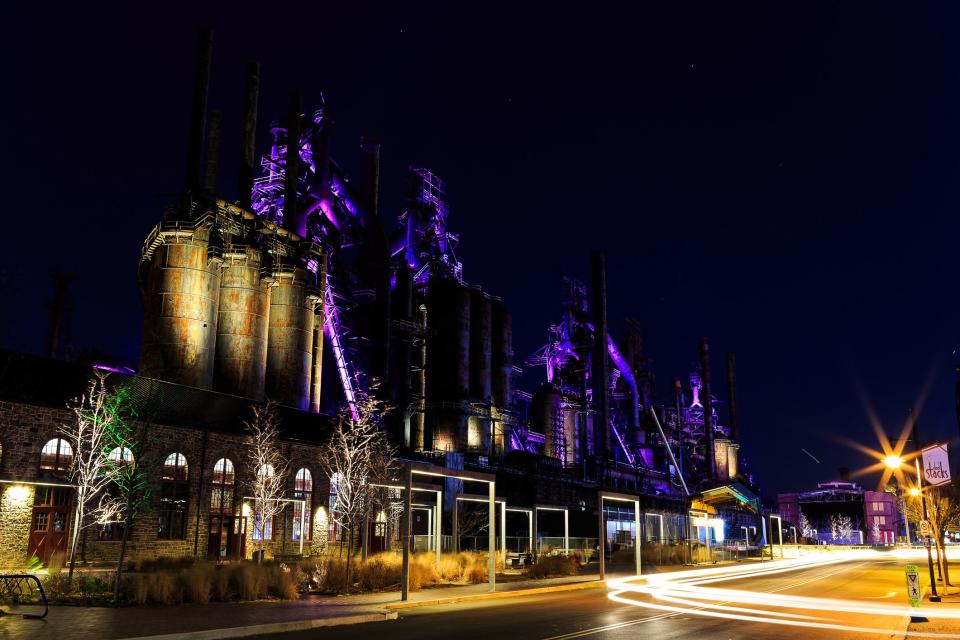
<point>732,396</point>
<point>371,156</point>
<point>291,212</point>
<point>198,113</point>
<point>600,369</point>
<point>60,307</point>
<point>251,95</point>
<point>213,152</point>
<point>707,402</point>
<point>321,146</point>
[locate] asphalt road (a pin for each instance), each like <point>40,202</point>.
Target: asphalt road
<point>591,614</point>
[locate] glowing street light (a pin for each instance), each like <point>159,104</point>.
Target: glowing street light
<point>914,492</point>
<point>893,461</point>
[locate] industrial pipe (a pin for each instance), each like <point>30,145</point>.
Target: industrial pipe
<point>633,416</point>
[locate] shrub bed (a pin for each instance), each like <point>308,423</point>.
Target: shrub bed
<point>553,566</point>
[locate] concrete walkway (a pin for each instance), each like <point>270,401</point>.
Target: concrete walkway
<point>191,620</point>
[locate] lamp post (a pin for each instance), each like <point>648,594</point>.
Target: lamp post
<point>895,462</point>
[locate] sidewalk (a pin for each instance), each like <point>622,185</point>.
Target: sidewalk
<point>949,598</point>
<point>104,623</point>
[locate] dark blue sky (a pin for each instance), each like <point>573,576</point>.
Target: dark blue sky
<point>781,179</point>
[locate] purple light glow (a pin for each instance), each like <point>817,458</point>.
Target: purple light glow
<point>113,369</point>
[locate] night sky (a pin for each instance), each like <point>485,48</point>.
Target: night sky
<point>781,179</point>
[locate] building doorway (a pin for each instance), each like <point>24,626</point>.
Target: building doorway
<point>50,524</point>
<point>228,537</point>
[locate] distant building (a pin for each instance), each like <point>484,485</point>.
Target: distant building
<point>843,512</point>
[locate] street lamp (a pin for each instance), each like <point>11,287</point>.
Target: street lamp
<point>895,462</point>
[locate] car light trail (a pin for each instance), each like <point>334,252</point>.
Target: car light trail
<point>685,592</point>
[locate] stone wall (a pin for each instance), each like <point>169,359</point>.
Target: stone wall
<point>16,511</point>
<point>25,428</point>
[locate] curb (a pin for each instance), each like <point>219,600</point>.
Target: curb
<point>592,584</point>
<point>275,627</point>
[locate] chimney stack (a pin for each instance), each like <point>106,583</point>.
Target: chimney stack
<point>213,152</point>
<point>707,401</point>
<point>198,113</point>
<point>732,396</point>
<point>371,156</point>
<point>292,220</point>
<point>600,369</point>
<point>251,96</point>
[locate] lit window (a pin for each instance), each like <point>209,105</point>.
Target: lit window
<point>266,529</point>
<point>302,490</point>
<point>121,456</point>
<point>172,514</point>
<point>175,467</point>
<point>221,499</point>
<point>265,471</point>
<point>56,455</point>
<point>334,533</point>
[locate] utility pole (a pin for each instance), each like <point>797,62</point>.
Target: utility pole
<point>915,434</point>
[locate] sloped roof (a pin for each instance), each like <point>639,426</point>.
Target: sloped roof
<point>30,379</point>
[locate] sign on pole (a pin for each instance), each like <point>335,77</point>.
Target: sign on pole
<point>925,528</point>
<point>913,585</point>
<point>936,465</point>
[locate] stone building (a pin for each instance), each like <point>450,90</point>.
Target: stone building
<point>194,450</point>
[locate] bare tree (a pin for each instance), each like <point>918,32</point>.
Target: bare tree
<point>805,529</point>
<point>834,528</point>
<point>943,508</point>
<point>841,529</point>
<point>875,532</point>
<point>96,415</point>
<point>269,470</point>
<point>845,528</point>
<point>357,455</point>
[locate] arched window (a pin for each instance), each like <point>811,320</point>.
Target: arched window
<point>334,532</point>
<point>120,456</point>
<point>221,498</point>
<point>56,455</point>
<point>303,490</point>
<point>112,527</point>
<point>172,515</point>
<point>264,532</point>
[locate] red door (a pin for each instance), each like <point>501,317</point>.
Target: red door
<point>50,525</point>
<point>228,537</point>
